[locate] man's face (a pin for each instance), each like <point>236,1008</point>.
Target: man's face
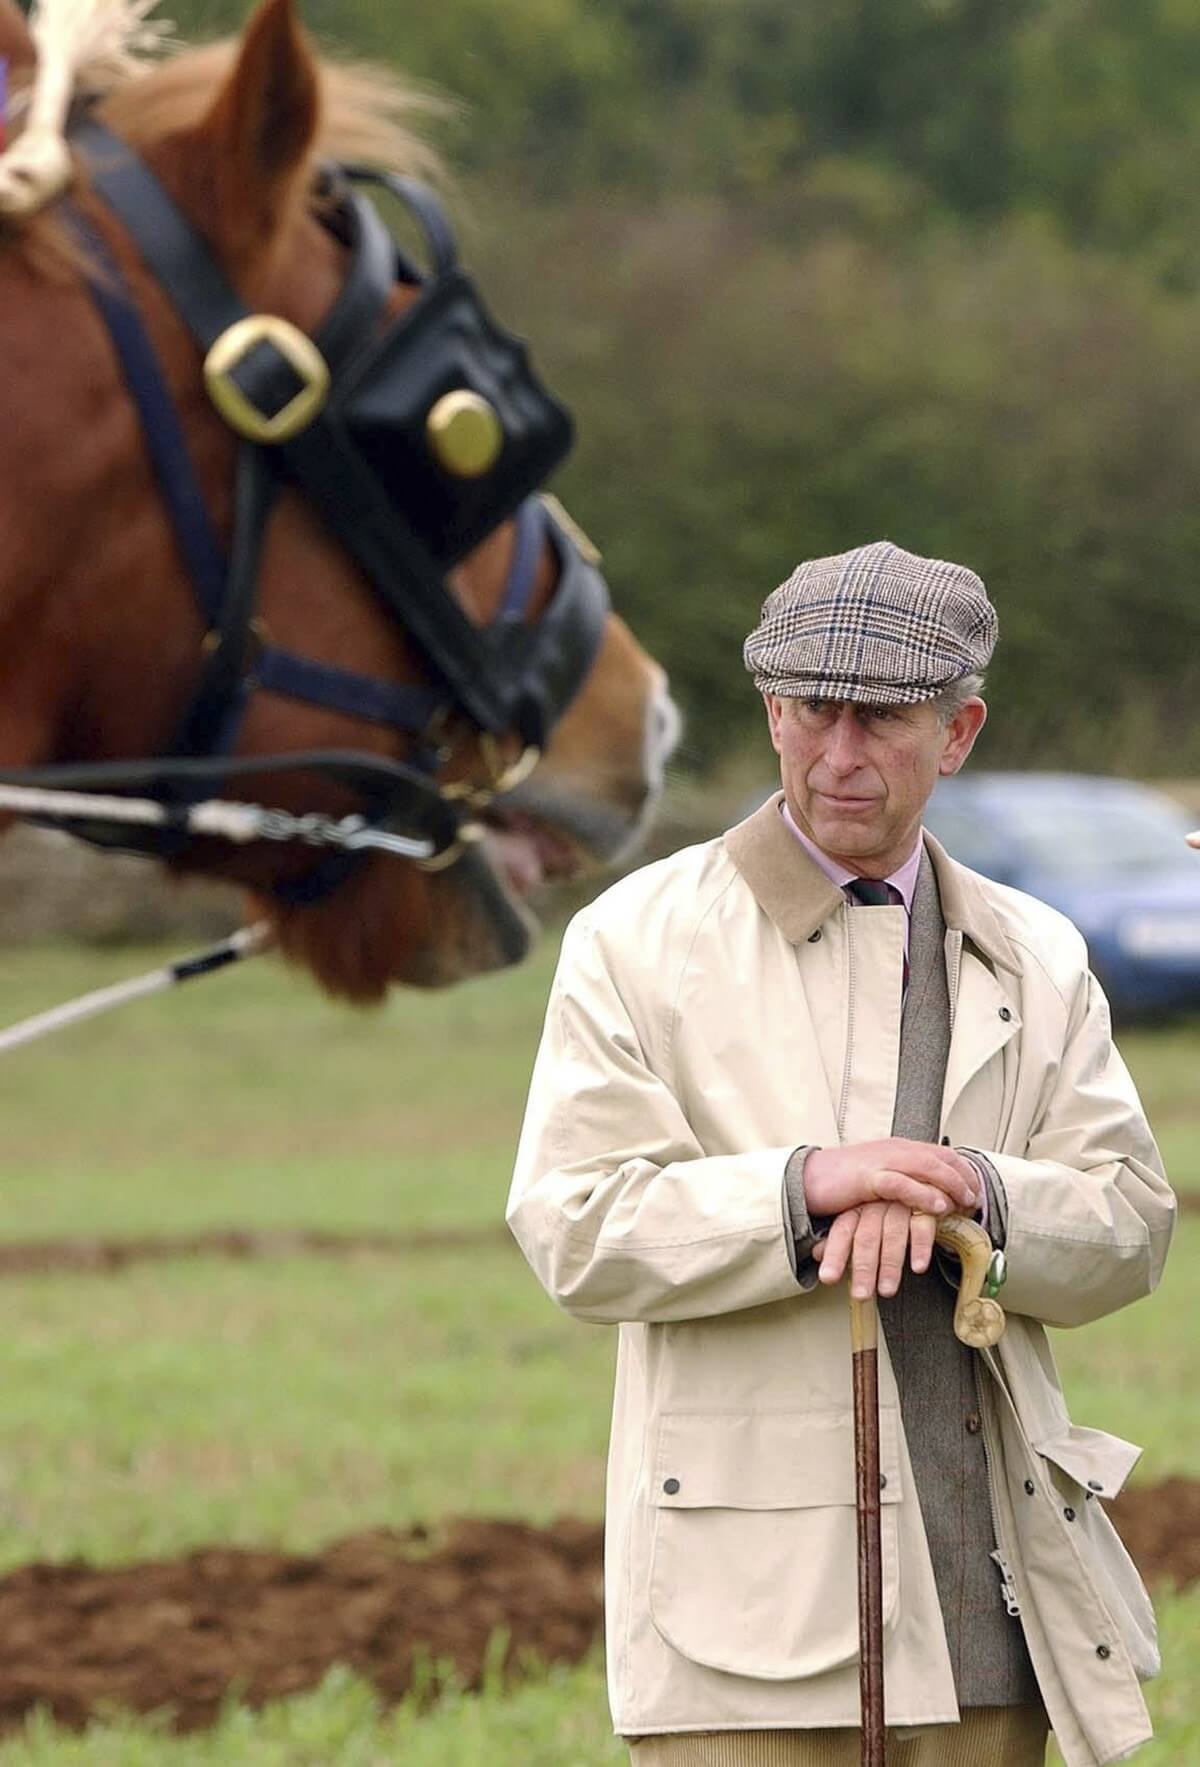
<point>857,777</point>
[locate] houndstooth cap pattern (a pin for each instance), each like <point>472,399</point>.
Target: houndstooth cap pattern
<point>877,625</point>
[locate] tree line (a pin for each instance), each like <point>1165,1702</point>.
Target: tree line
<point>817,274</point>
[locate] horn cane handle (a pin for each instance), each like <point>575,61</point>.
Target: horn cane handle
<point>978,1321</point>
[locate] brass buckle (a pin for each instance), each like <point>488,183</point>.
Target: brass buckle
<point>500,778</point>
<point>297,350</point>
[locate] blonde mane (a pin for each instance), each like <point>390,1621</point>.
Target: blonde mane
<point>366,113</point>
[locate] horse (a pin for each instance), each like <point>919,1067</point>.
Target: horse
<point>103,646</point>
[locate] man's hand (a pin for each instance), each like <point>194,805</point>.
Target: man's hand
<point>887,1197</point>
<point>872,1240</point>
<point>915,1173</point>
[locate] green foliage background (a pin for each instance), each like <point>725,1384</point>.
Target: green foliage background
<point>815,273</point>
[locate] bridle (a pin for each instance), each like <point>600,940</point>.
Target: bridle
<point>413,439</point>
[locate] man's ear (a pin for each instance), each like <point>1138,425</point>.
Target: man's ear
<point>776,712</point>
<point>961,732</point>
<point>16,44</point>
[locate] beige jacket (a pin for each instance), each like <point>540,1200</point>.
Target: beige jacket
<point>709,1013</point>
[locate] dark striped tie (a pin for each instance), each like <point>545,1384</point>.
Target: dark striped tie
<point>872,892</point>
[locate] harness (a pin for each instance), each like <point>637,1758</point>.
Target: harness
<point>413,439</point>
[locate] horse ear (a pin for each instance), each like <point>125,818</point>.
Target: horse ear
<point>262,123</point>
<point>16,44</point>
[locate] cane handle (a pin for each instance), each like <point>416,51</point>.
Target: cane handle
<point>978,1320</point>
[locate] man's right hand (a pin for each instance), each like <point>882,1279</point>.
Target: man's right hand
<point>933,1180</point>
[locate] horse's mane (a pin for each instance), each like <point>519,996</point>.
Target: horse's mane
<point>366,114</point>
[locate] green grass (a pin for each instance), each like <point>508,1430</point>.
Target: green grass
<point>554,1719</point>
<point>289,1401</point>
<point>248,1099</point>
<point>286,1403</point>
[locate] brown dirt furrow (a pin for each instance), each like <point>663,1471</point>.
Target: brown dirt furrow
<point>47,1256</point>
<point>1160,1525</point>
<point>183,1634</point>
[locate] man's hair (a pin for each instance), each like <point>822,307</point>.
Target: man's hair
<point>947,704</point>
<point>950,701</point>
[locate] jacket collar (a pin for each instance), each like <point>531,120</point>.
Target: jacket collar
<point>797,896</point>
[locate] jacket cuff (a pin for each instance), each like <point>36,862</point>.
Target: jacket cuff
<point>993,1211</point>
<point>801,1228</point>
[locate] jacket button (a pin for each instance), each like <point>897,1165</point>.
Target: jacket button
<point>1103,1652</point>
<point>815,938</point>
<point>1070,1514</point>
<point>1029,1486</point>
<point>974,1424</point>
<point>882,1481</point>
<point>1095,1485</point>
<point>670,1486</point>
<point>1005,1014</point>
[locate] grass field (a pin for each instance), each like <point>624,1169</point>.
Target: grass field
<point>288,1401</point>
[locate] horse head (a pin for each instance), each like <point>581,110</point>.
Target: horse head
<point>102,644</point>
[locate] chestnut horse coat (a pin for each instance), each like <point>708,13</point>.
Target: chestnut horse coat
<point>710,1012</point>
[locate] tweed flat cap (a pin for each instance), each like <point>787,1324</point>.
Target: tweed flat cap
<point>877,625</point>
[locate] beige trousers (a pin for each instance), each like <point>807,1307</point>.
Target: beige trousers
<point>988,1736</point>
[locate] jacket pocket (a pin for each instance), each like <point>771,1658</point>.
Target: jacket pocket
<point>1085,1465</point>
<point>753,1550</point>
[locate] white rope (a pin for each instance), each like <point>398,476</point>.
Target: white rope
<point>104,40</point>
<point>248,941</point>
<point>218,819</point>
<point>227,821</point>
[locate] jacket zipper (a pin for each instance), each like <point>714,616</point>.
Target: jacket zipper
<point>844,1100</point>
<point>952,978</point>
<point>1007,1587</point>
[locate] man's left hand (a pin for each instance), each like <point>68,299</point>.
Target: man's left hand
<point>873,1241</point>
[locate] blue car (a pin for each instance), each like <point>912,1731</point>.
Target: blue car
<point>1108,853</point>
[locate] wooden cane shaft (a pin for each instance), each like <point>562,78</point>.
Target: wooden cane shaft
<point>865,1364</point>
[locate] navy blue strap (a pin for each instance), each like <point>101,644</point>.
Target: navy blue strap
<point>343,690</point>
<point>527,550</point>
<point>194,530</point>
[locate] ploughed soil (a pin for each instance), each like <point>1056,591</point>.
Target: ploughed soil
<point>183,1634</point>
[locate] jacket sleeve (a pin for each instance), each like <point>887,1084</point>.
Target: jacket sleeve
<point>614,1203</point>
<point>1089,1212</point>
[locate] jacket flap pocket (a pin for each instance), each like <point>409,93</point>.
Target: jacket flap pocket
<point>752,1546</point>
<point>1099,1462</point>
<point>767,1460</point>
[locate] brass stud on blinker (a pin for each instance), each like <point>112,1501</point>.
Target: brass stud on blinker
<point>464,433</point>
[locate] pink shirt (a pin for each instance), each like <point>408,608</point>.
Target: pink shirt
<point>904,878</point>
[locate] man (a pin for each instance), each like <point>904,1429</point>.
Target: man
<point>773,1060</point>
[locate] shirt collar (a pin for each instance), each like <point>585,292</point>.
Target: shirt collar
<point>904,878</point>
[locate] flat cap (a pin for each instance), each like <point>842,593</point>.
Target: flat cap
<point>877,625</point>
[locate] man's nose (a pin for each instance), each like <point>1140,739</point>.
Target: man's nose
<point>843,749</point>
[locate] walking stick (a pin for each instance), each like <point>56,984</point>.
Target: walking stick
<point>978,1322</point>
